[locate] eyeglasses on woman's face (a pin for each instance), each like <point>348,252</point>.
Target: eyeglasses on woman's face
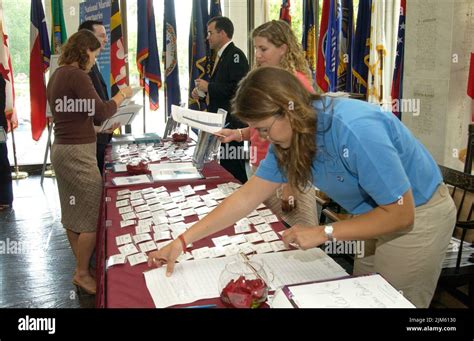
<point>265,132</point>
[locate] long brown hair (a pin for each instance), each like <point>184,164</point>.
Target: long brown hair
<point>270,91</point>
<point>279,33</point>
<point>76,47</point>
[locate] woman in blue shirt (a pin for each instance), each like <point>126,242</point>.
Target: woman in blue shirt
<point>364,159</point>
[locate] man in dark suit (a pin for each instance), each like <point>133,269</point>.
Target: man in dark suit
<point>6,188</point>
<point>100,86</point>
<point>230,67</point>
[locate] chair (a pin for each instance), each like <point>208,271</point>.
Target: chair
<point>452,278</point>
<point>329,208</point>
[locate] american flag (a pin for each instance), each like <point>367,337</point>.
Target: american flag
<point>397,85</point>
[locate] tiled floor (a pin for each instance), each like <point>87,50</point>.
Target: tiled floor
<point>36,270</point>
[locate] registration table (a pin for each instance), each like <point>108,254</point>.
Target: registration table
<point>137,219</point>
<point>123,285</point>
<point>145,216</point>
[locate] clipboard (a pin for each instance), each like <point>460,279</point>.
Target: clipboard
<point>366,291</point>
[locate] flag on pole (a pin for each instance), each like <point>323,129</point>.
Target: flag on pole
<point>470,85</point>
<point>321,79</point>
<point>397,85</point>
<point>332,43</point>
<point>377,52</point>
<point>170,57</point>
<point>392,18</point>
<point>285,11</point>
<point>210,54</point>
<point>118,56</point>
<point>215,9</point>
<point>7,74</point>
<point>58,34</point>
<point>470,81</point>
<point>346,40</point>
<point>360,60</point>
<point>148,61</point>
<point>197,51</point>
<point>309,35</point>
<point>383,42</point>
<point>39,64</point>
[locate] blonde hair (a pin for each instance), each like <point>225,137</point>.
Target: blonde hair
<point>272,91</point>
<point>279,32</point>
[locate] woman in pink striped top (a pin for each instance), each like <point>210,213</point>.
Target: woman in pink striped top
<point>276,45</point>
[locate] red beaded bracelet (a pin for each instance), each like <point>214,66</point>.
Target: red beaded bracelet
<point>183,243</point>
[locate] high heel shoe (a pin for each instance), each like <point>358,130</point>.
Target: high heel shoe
<point>80,287</point>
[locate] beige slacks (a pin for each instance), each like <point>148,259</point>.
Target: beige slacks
<point>411,260</point>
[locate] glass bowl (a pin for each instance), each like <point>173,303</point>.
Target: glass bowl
<point>243,284</point>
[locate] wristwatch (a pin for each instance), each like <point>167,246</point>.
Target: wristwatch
<point>328,229</point>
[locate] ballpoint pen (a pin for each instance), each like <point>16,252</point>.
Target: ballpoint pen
<point>203,306</point>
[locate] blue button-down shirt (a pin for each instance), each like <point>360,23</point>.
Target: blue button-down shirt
<point>365,157</point>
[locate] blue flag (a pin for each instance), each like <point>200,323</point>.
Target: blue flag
<point>360,60</point>
<point>170,57</point>
<point>345,48</point>
<point>148,61</point>
<point>332,44</point>
<point>215,9</point>
<point>197,50</point>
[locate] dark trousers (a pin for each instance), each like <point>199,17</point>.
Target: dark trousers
<point>101,156</point>
<point>232,159</point>
<point>102,142</point>
<point>6,186</point>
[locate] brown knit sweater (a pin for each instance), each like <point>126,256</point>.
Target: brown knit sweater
<point>75,105</point>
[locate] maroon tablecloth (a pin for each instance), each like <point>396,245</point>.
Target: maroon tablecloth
<point>123,286</point>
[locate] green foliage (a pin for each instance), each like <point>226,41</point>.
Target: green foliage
<point>296,11</point>
<point>16,14</point>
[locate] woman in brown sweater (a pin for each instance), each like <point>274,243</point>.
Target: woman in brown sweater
<point>76,107</point>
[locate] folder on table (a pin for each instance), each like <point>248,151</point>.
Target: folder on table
<point>368,291</point>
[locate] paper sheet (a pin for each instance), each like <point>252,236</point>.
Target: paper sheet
<point>174,171</point>
<point>205,121</point>
<point>199,279</point>
<point>131,180</point>
<point>135,91</point>
<point>124,115</point>
<point>356,292</point>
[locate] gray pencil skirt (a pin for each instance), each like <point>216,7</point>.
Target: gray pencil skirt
<point>79,185</point>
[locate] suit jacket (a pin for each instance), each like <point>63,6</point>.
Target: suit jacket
<point>99,83</point>
<point>231,68</point>
<point>101,88</point>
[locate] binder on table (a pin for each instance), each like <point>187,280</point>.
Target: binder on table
<point>367,291</point>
